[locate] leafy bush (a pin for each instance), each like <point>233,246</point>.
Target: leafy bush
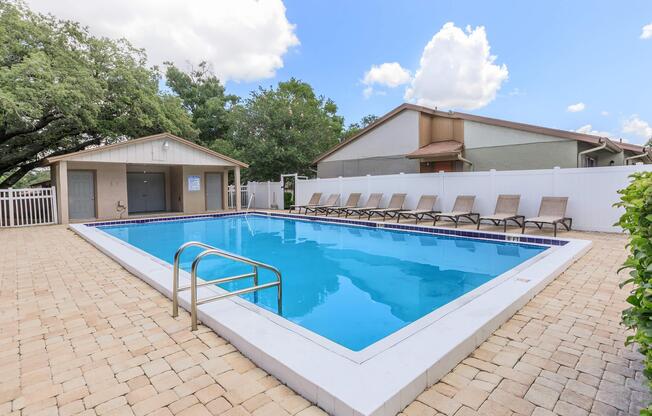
<point>289,199</point>
<point>637,220</point>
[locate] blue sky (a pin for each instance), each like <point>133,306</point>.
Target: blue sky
<point>557,53</point>
<point>593,55</point>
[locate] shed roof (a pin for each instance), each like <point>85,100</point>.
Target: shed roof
<point>85,154</point>
<point>435,149</point>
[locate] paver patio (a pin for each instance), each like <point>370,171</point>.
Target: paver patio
<point>81,335</point>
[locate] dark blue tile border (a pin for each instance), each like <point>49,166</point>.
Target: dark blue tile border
<point>372,224</point>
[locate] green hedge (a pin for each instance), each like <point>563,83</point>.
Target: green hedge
<point>288,199</point>
<point>637,220</point>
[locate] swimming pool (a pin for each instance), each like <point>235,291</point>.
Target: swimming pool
<point>352,285</point>
<point>376,313</point>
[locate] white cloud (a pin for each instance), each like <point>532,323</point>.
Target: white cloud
<point>604,113</point>
<point>574,108</point>
<point>389,74</point>
<point>646,32</point>
<point>588,129</point>
<point>457,70</point>
<point>634,125</point>
<point>241,39</point>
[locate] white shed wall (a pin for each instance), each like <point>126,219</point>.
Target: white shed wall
<point>153,152</point>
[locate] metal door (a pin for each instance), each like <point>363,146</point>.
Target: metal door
<point>213,191</point>
<point>145,192</point>
<point>81,194</point>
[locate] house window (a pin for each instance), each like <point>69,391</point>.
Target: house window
<point>590,162</point>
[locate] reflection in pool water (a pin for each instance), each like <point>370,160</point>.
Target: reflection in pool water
<point>352,285</point>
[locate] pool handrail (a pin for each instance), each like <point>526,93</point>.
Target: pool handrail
<point>212,251</point>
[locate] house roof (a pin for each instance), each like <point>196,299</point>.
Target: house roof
<point>443,148</point>
<point>168,136</point>
<point>565,134</point>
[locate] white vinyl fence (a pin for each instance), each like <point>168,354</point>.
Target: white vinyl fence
<point>244,197</point>
<point>264,195</point>
<point>31,206</point>
<point>267,195</point>
<point>591,191</point>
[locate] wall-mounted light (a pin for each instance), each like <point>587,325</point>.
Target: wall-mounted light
<point>166,145</point>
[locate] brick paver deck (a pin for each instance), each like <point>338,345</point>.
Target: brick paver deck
<point>80,335</point>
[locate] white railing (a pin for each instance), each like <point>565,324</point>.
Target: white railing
<point>31,206</point>
<point>244,196</point>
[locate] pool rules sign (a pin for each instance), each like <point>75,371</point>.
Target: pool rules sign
<point>194,183</point>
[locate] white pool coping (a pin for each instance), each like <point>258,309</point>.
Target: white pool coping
<point>381,379</point>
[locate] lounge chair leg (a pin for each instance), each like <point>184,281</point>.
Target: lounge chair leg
<point>554,227</point>
<point>505,226</point>
<point>478,227</point>
<point>523,227</point>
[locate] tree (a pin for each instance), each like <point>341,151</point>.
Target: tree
<point>354,128</point>
<point>281,130</point>
<point>62,90</point>
<point>203,97</point>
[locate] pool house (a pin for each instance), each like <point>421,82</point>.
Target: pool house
<point>156,174</point>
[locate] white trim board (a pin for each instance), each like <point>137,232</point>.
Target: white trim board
<point>381,383</point>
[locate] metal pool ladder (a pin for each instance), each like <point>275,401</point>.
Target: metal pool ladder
<point>212,251</point>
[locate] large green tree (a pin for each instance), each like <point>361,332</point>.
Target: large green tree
<point>203,96</point>
<point>62,90</point>
<point>281,130</point>
<point>354,128</point>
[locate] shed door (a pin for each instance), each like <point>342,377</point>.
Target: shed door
<point>213,191</point>
<point>145,192</point>
<point>81,194</point>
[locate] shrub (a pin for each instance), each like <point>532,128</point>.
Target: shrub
<point>289,199</point>
<point>637,220</point>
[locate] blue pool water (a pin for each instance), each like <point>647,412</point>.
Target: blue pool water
<point>352,285</point>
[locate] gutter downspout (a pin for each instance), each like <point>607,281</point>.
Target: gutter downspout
<point>642,155</point>
<point>595,149</point>
<point>460,158</point>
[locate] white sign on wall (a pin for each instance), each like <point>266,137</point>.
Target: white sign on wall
<point>194,183</point>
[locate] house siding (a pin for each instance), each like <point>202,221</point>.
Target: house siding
<point>368,166</point>
<point>525,156</point>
